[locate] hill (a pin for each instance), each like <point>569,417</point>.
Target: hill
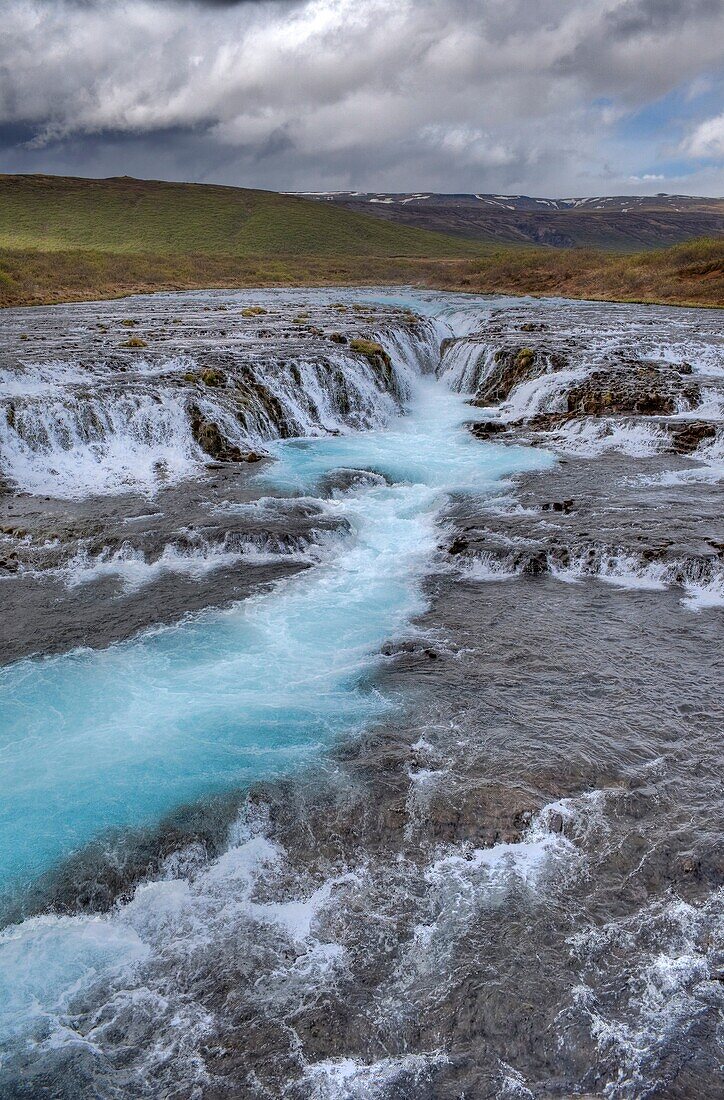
<point>55,213</point>
<point>71,239</point>
<point>618,222</point>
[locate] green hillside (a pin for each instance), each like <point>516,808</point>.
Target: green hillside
<point>54,213</point>
<point>64,240</point>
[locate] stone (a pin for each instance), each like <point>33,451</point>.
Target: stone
<point>686,438</point>
<point>485,428</point>
<point>513,365</point>
<point>647,391</point>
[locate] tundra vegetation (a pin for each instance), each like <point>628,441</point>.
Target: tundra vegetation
<point>67,240</point>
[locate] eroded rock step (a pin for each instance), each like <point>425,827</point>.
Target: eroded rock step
<point>619,394</point>
<point>97,574</point>
<point>560,369</point>
<point>132,437</point>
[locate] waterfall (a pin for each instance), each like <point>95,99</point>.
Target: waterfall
<point>68,435</point>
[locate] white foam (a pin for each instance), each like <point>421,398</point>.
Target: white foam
<point>704,594</point>
<point>51,963</point>
<point>465,364</point>
<point>74,431</point>
<point>703,582</point>
<point>350,1079</point>
<point>48,960</point>
<point>33,379</point>
<point>665,992</point>
<point>70,448</point>
<point>135,568</point>
<point>617,568</point>
<point>512,1083</point>
<point>709,471</point>
<point>464,884</point>
<point>487,567</point>
<point>545,393</point>
<point>590,437</point>
<point>709,407</point>
<point>704,357</point>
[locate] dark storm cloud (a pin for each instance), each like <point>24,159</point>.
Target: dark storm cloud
<point>656,16</point>
<point>193,3</point>
<point>500,95</point>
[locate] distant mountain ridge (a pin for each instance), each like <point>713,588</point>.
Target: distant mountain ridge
<point>661,201</point>
<point>629,222</point>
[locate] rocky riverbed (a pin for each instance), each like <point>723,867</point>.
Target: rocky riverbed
<point>496,869</point>
<point>626,412</point>
<point>132,439</point>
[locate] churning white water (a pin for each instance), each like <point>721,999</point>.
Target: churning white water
<point>406,919</point>
<point>71,432</point>
<point>118,737</point>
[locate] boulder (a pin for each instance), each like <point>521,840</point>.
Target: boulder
<point>646,390</point>
<point>685,438</point>
<point>211,376</point>
<point>513,365</point>
<point>208,435</point>
<point>373,352</point>
<point>485,428</point>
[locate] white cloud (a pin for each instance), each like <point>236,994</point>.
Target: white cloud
<point>707,140</point>
<point>445,94</point>
<point>465,142</point>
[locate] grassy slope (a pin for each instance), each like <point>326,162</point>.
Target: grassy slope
<point>52,213</point>
<point>70,240</point>
<point>690,274</point>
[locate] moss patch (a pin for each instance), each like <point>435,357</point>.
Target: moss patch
<point>370,349</point>
<point>212,377</point>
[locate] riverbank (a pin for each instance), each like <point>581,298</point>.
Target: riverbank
<point>690,274</point>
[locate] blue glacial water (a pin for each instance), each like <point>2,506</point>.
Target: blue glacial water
<point>116,738</point>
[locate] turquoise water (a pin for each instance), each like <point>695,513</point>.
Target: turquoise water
<point>119,737</point>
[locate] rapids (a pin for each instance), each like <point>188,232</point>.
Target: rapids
<point>384,764</point>
<point>119,736</point>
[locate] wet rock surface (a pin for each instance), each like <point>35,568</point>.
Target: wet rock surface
<point>572,524</point>
<point>124,466</point>
<point>638,389</point>
<point>686,438</point>
<point>512,887</point>
<point>616,401</point>
<point>513,365</point>
<point>474,926</point>
<point>95,572</point>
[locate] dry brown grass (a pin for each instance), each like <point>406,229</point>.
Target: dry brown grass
<point>689,274</point>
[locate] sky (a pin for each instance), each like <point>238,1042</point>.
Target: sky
<point>553,98</point>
